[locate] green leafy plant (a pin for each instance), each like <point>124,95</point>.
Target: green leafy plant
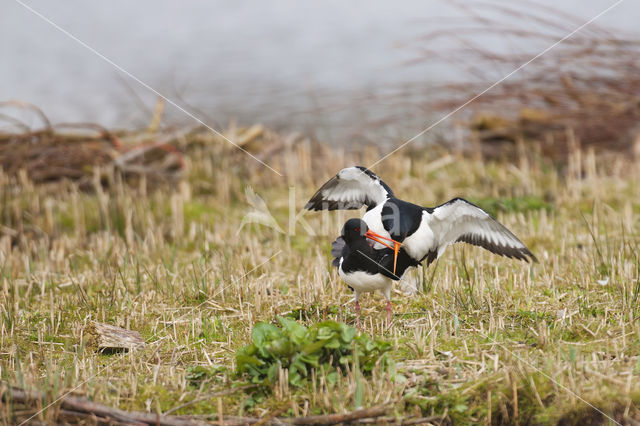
<point>328,344</point>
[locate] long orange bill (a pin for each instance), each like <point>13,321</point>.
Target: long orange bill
<point>396,249</point>
<point>379,238</point>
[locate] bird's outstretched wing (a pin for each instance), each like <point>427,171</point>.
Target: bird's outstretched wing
<point>459,220</point>
<point>350,189</point>
<point>339,248</point>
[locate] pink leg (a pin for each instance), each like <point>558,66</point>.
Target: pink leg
<point>388,312</point>
<point>358,315</point>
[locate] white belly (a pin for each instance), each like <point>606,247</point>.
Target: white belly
<point>418,244</point>
<point>361,282</point>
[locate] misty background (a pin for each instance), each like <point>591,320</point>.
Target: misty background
<point>322,68</point>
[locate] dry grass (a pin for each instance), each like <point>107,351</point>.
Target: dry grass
<point>583,90</point>
<point>486,339</point>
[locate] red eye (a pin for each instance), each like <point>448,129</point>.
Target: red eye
<point>357,229</point>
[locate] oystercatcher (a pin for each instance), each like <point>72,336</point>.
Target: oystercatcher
<point>364,268</point>
<point>422,232</point>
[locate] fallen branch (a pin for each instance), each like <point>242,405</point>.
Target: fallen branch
<point>74,407</point>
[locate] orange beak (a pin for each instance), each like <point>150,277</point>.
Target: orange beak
<point>379,239</point>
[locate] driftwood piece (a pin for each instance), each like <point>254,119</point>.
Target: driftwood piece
<point>81,408</point>
<point>74,408</point>
<point>109,338</point>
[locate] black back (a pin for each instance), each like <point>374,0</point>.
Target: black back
<point>401,218</point>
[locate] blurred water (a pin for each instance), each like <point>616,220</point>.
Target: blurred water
<point>319,67</point>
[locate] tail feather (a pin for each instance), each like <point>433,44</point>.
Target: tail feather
<point>339,249</point>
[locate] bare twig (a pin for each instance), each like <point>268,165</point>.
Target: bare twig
<point>332,419</point>
<point>73,406</point>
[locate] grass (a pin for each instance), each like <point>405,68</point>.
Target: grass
<point>486,339</point>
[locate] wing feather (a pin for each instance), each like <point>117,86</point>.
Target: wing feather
<point>339,249</point>
<point>350,189</point>
<point>459,220</point>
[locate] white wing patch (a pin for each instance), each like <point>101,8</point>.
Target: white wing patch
<point>459,220</point>
<point>351,188</point>
<point>422,241</point>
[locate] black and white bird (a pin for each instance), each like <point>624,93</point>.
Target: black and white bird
<point>364,268</point>
<point>421,233</point>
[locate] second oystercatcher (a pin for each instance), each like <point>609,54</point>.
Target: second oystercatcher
<point>422,232</point>
<point>364,268</point>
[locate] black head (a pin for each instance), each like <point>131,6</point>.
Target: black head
<point>353,230</point>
